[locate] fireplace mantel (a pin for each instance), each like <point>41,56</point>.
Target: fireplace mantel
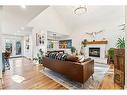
<point>96,42</point>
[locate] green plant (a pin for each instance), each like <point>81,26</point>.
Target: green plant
<point>120,43</point>
<point>39,57</point>
<point>111,53</point>
<point>73,49</point>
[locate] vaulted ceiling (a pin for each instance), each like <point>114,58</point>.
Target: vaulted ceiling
<point>94,15</point>
<point>15,18</point>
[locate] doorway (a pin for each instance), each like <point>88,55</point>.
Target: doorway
<point>14,47</point>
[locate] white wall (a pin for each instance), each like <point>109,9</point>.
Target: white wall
<point>48,20</point>
<point>111,30</point>
<point>126,50</point>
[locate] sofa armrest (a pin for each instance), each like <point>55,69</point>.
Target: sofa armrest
<point>88,69</point>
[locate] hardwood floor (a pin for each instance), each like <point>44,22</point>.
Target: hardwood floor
<point>33,78</point>
<point>23,69</point>
<point>108,81</point>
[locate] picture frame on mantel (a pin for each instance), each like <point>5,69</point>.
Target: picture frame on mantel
<point>40,39</point>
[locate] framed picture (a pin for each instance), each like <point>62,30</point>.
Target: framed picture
<point>65,44</point>
<point>40,39</point>
<point>27,43</point>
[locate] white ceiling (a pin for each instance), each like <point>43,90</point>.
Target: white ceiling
<point>94,14</point>
<point>15,17</point>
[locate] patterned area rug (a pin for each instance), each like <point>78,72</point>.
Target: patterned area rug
<point>99,72</point>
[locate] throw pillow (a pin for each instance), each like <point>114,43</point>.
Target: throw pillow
<point>58,56</point>
<point>64,56</point>
<point>83,59</point>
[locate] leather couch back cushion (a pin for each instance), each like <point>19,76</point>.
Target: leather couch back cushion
<point>72,58</point>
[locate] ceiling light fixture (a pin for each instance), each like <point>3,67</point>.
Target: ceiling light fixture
<point>80,10</point>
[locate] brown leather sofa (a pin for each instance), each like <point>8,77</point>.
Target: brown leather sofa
<point>79,72</point>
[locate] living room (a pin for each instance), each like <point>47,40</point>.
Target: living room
<point>88,36</point>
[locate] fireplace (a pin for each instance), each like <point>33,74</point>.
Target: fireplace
<point>94,52</point>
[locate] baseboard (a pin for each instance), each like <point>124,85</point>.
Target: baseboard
<point>16,57</point>
<point>27,58</point>
<point>21,57</point>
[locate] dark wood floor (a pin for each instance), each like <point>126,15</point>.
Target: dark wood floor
<point>36,80</point>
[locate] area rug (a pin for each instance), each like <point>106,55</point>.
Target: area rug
<point>18,78</point>
<point>99,72</point>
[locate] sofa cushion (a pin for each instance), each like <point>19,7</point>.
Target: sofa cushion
<point>72,58</point>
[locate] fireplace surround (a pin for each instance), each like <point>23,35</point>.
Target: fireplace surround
<point>102,58</point>
<point>94,51</point>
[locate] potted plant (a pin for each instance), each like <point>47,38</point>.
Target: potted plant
<point>39,58</point>
<point>73,49</point>
<point>120,43</point>
<point>111,55</point>
<point>119,66</point>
